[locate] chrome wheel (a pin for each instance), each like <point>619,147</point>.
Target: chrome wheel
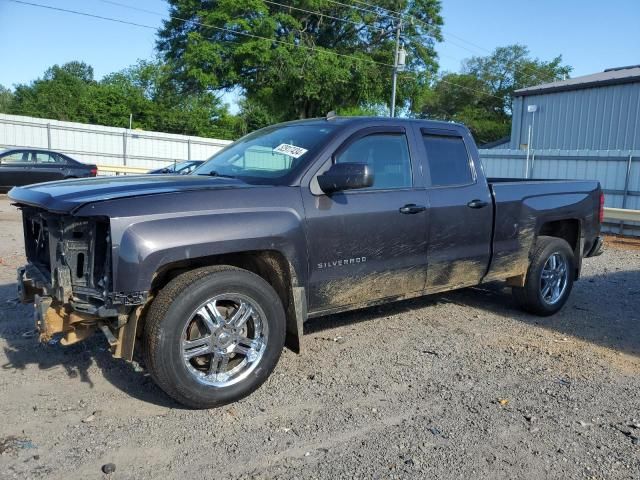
<point>554,278</point>
<point>224,340</point>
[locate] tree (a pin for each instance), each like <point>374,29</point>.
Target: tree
<point>144,90</point>
<point>310,62</point>
<point>6,99</point>
<point>510,68</point>
<point>481,95</point>
<point>60,94</point>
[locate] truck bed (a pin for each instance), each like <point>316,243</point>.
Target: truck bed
<point>523,206</point>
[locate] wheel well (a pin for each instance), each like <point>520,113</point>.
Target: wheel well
<point>271,265</point>
<point>568,230</point>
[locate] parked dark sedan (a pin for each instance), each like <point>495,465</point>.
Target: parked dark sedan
<point>180,168</point>
<point>23,166</point>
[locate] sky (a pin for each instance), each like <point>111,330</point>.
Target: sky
<point>591,35</point>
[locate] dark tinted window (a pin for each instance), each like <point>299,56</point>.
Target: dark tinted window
<point>387,154</point>
<point>448,160</point>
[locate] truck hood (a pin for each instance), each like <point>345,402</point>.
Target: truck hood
<point>68,195</point>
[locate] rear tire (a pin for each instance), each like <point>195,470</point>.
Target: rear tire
<point>213,335</point>
<point>549,278</point>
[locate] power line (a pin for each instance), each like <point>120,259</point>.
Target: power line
<point>113,2</point>
<point>126,22</point>
<point>100,17</point>
<point>251,35</point>
<point>320,14</point>
<point>235,32</point>
<point>227,30</point>
<point>393,14</point>
<point>464,87</point>
<point>357,8</point>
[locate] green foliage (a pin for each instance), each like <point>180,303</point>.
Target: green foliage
<point>60,94</point>
<point>363,111</point>
<point>6,99</point>
<point>481,95</point>
<point>282,81</point>
<point>69,92</point>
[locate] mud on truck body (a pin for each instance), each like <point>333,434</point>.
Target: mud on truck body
<point>212,273</point>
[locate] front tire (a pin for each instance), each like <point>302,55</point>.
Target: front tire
<point>549,279</point>
<point>213,335</point>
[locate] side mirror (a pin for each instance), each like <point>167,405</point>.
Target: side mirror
<point>346,176</point>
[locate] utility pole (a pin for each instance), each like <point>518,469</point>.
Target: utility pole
<point>395,68</point>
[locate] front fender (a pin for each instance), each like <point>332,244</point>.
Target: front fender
<point>149,245</point>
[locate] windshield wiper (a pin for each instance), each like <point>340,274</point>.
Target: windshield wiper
<point>213,173</point>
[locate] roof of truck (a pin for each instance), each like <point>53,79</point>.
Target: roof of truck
<point>352,120</point>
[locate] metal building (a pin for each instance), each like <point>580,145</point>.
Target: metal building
<point>594,112</point>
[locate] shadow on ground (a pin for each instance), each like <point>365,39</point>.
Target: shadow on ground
<point>23,349</point>
<point>602,309</point>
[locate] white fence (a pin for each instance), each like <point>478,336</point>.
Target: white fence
<point>105,145</point>
<point>618,171</point>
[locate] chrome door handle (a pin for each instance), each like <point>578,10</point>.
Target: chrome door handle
<point>412,208</point>
<point>477,203</point>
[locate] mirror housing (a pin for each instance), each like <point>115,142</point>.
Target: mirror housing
<point>345,176</point>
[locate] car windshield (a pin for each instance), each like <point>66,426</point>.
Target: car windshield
<point>180,165</point>
<point>269,156</point>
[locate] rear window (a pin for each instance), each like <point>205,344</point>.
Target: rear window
<point>448,160</point>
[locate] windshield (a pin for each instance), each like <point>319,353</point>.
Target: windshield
<point>271,155</point>
<point>179,166</point>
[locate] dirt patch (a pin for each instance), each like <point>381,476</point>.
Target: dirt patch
<point>622,243</point>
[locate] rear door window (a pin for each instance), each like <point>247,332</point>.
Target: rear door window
<point>448,160</point>
<point>46,158</point>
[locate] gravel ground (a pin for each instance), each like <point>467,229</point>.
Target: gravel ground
<point>459,385</point>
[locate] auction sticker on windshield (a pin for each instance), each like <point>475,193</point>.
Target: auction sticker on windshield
<point>290,150</point>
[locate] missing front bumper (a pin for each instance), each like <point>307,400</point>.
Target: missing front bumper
<point>53,320</point>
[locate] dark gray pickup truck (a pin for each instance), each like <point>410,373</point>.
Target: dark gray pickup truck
<point>213,273</point>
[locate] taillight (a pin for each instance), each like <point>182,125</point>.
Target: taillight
<point>601,216</point>
<point>93,172</point>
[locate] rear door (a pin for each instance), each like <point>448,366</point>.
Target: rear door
<point>15,167</point>
<point>47,167</point>
<point>368,244</point>
<point>461,212</point>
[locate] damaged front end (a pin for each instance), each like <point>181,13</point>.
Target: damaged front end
<point>68,279</point>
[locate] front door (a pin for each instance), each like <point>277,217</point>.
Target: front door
<point>461,213</point>
<point>15,169</point>
<point>369,244</point>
